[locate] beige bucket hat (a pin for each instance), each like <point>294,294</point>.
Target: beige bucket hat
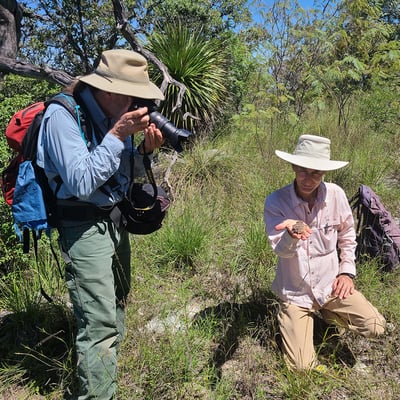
<point>312,152</point>
<point>123,72</point>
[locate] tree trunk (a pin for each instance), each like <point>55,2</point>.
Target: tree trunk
<point>10,28</point>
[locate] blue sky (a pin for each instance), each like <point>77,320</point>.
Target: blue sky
<point>268,3</point>
<point>306,3</point>
<point>303,3</point>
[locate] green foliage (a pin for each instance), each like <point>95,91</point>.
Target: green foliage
<point>360,31</point>
<point>381,106</point>
<point>16,93</point>
<point>20,284</point>
<point>10,249</point>
<point>241,67</point>
<point>201,318</point>
<point>341,79</point>
<point>390,13</point>
<point>214,18</point>
<point>170,372</point>
<point>386,64</point>
<point>37,347</point>
<point>68,35</point>
<point>295,45</point>
<point>198,63</point>
<point>330,51</point>
<point>255,247</point>
<point>182,242</point>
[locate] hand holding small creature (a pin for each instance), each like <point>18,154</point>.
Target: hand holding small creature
<point>297,229</point>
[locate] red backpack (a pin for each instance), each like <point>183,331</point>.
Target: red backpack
<point>15,133</point>
<point>22,133</point>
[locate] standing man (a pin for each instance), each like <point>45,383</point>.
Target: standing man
<point>89,176</point>
<point>310,227</point>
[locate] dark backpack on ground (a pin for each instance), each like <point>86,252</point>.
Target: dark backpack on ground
<point>24,184</point>
<point>378,234</point>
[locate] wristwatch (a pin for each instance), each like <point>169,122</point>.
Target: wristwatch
<point>348,274</point>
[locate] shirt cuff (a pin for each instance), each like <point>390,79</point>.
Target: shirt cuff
<point>347,269</point>
<point>288,242</point>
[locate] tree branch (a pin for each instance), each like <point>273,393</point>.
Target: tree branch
<point>9,65</point>
<point>121,19</point>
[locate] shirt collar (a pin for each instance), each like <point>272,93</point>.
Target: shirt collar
<point>321,195</point>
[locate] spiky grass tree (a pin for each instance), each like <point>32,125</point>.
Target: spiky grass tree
<point>198,63</point>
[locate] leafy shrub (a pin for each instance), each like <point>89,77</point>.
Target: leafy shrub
<point>198,63</point>
<point>381,107</point>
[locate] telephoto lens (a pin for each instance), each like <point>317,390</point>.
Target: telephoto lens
<point>173,135</point>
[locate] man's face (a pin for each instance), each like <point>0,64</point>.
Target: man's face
<point>307,180</point>
<point>116,104</point>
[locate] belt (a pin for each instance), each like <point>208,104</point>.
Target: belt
<point>78,211</point>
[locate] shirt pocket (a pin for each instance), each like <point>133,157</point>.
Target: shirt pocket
<point>327,235</point>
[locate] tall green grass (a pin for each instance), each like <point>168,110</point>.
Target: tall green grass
<point>201,318</point>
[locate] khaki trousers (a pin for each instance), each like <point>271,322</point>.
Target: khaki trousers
<point>296,324</point>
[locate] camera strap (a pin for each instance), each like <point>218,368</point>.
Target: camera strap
<point>148,170</point>
<point>143,209</point>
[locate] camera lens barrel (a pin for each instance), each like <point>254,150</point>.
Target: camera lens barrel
<point>169,131</point>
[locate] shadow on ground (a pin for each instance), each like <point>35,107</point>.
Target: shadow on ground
<point>259,320</point>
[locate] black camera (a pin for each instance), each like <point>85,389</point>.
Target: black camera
<point>169,131</point>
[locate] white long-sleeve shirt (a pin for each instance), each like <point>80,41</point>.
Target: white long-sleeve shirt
<point>307,269</point>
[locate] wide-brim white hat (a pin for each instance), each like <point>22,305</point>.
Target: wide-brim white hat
<point>312,152</point>
<point>123,72</point>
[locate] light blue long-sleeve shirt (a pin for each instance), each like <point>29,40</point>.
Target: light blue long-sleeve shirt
<point>85,167</point>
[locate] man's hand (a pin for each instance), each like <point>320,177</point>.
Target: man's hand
<point>130,123</point>
<point>343,286</point>
<point>153,138</point>
<point>297,229</point>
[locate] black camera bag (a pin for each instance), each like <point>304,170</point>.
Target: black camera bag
<point>143,209</point>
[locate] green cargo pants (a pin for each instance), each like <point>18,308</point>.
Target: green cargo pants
<point>98,280</point>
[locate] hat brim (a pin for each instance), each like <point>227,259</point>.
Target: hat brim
<point>319,164</point>
<point>146,90</point>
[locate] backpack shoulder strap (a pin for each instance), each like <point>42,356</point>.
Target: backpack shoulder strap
<point>69,102</point>
<point>29,143</point>
<point>354,201</point>
<point>356,206</point>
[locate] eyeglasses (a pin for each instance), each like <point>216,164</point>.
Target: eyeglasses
<point>303,172</point>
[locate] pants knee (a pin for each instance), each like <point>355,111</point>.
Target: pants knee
<point>376,328</point>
